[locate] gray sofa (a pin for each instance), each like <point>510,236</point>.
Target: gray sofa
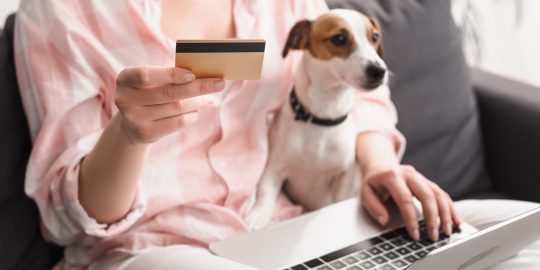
<point>474,133</point>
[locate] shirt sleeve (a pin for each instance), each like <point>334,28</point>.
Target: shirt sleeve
<point>374,112</point>
<point>67,86</point>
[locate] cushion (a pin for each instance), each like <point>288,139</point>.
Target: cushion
<point>432,91</point>
<point>22,246</point>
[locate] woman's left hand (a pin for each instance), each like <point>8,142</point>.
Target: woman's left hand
<point>402,183</point>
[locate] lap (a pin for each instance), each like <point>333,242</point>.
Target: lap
<point>479,213</point>
<point>483,213</point>
<point>177,257</point>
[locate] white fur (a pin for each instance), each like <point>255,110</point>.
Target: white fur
<point>317,164</point>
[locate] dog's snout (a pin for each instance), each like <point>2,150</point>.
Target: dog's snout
<point>375,72</point>
<point>374,76</point>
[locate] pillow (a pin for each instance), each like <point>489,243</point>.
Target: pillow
<point>22,246</point>
<point>432,91</point>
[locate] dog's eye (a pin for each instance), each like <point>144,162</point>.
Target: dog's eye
<point>375,37</point>
<point>339,40</point>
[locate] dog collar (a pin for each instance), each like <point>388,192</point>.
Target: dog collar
<point>301,113</point>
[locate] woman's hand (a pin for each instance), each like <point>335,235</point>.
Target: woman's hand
<point>156,101</point>
<point>153,102</point>
<point>384,178</point>
<point>402,183</point>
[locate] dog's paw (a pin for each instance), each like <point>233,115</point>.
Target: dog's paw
<point>258,218</point>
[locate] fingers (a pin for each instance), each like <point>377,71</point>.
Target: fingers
<point>403,197</point>
<point>373,204</point>
<point>161,111</point>
<point>403,185</point>
<point>172,92</point>
<point>453,211</point>
<point>445,206</point>
<point>147,76</point>
<point>423,191</point>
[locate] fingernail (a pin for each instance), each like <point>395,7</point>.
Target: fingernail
<point>435,234</point>
<point>415,234</point>
<point>189,77</point>
<point>381,220</point>
<point>219,85</point>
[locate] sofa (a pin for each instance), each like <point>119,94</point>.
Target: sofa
<point>474,133</point>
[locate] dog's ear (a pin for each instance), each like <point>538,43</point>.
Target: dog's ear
<point>298,37</point>
<point>377,27</point>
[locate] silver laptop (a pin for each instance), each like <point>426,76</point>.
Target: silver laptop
<point>341,236</point>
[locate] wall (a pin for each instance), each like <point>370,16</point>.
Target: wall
<point>7,7</point>
<point>508,36</point>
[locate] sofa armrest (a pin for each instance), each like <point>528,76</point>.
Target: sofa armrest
<point>510,121</point>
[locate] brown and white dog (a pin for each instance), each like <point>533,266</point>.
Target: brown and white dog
<point>312,140</point>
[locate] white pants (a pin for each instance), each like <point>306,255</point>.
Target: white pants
<point>479,213</point>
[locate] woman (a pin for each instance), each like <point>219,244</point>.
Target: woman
<point>132,166</point>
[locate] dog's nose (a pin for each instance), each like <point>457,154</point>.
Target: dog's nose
<point>375,72</point>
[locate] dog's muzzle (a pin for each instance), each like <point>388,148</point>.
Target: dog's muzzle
<point>374,76</point>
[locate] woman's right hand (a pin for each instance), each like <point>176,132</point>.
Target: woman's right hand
<point>156,101</point>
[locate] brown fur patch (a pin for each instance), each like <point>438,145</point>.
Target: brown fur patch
<point>298,37</point>
<point>322,30</point>
<point>374,28</point>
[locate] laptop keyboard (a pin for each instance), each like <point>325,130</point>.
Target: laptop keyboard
<point>393,250</point>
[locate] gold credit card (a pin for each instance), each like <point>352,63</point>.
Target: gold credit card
<point>230,59</point>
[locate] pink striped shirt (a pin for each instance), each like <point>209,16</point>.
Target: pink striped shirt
<point>196,183</point>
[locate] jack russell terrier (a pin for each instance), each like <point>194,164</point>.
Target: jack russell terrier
<point>312,139</point>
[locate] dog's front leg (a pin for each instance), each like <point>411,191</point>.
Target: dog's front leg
<point>267,190</point>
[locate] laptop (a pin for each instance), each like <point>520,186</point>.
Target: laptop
<point>342,236</point>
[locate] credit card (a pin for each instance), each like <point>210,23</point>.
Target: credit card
<point>230,59</point>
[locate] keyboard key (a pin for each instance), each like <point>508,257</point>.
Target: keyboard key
<point>299,267</point>
<point>429,249</point>
<point>414,246</point>
<point>350,260</point>
<point>398,242</point>
<point>379,260</point>
<point>387,267</point>
<point>354,267</point>
<point>362,255</point>
<point>389,235</point>
<point>399,263</point>
<point>338,264</point>
<point>367,265</point>
<point>324,267</point>
<point>424,235</point>
<point>401,231</point>
<point>386,246</point>
<point>391,255</point>
<point>403,251</point>
<point>425,242</point>
<point>421,253</point>
<point>374,251</point>
<point>411,258</point>
<point>313,263</point>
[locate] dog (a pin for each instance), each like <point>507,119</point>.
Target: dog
<point>312,139</point>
